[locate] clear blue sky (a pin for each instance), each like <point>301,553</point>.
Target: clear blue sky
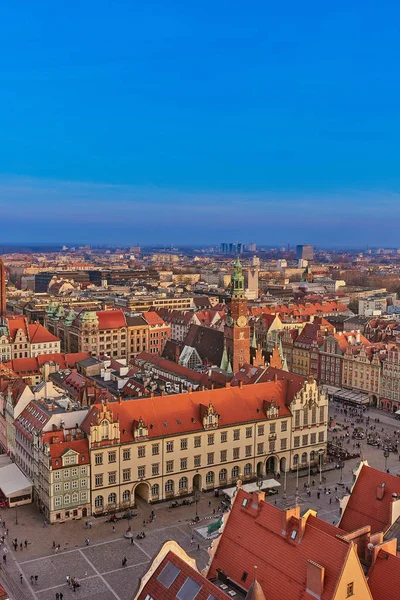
<point>202,121</point>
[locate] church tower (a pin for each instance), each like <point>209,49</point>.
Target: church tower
<point>237,330</point>
<point>2,290</point>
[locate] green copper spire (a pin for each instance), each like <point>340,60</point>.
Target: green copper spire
<point>237,282</point>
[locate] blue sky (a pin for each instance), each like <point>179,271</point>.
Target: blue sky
<point>183,122</point>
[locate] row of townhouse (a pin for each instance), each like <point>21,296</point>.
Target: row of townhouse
<point>108,332</point>
<point>346,359</point>
<point>21,339</point>
<point>93,460</point>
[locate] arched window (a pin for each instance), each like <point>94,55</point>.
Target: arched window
<point>304,457</point>
<point>314,415</point>
<point>312,456</point>
<point>169,486</point>
<point>112,498</point>
<point>104,430</point>
<point>210,419</point>
<point>155,490</point>
<point>247,469</point>
<point>210,477</point>
<point>296,460</point>
<point>183,483</point>
<point>98,501</point>
<point>305,416</point>
<point>223,475</point>
<point>126,496</point>
<point>235,471</point>
<point>75,498</point>
<point>67,499</point>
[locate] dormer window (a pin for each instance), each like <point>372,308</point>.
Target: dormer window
<point>293,535</point>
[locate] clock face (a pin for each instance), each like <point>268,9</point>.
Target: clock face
<point>229,320</point>
<point>242,321</point>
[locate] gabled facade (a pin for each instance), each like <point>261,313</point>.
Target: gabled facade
<point>169,446</point>
<point>362,370</point>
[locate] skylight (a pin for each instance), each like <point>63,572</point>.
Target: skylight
<point>168,575</point>
<point>189,590</point>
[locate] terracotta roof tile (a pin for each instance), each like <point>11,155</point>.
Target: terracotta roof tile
<point>364,508</point>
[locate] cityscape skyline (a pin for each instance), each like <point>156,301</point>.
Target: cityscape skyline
<point>262,123</point>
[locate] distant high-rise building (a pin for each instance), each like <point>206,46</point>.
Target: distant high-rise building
<point>251,247</point>
<point>305,251</point>
<point>239,248</point>
<point>224,248</point>
<point>2,290</point>
<point>231,248</point>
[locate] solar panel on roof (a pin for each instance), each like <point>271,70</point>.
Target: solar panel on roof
<point>189,590</point>
<point>168,575</point>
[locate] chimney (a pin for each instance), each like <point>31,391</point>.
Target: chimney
<point>380,491</point>
<point>358,336</point>
<point>275,377</point>
<point>287,515</point>
<point>227,385</point>
<point>240,384</point>
<point>315,579</point>
<point>258,497</point>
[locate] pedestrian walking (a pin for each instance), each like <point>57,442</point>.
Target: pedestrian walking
<point>32,579</point>
<point>21,577</point>
<point>124,561</point>
<point>131,541</point>
<point>57,596</point>
<point>21,547</point>
<point>87,541</point>
<point>198,546</point>
<point>61,596</point>
<point>4,559</point>
<point>90,524</point>
<point>26,543</point>
<point>113,528</point>
<point>36,578</point>
<point>209,504</point>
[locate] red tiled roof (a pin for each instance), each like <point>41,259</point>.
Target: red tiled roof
<point>155,589</point>
<point>384,577</point>
<point>25,365</point>
<point>179,413</point>
<point>59,448</point>
<point>363,507</point>
<point>152,318</point>
<point>111,319</point>
<point>16,323</point>
<point>258,534</point>
<point>39,334</point>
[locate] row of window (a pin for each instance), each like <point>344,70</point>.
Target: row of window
<point>313,439</point>
<point>73,484</point>
<point>70,473</point>
<point>170,445</point>
<point>305,421</point>
<point>182,485</point>
<point>68,499</point>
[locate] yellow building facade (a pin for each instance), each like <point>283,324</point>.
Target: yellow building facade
<point>212,439</point>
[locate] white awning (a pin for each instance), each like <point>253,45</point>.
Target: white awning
<point>13,482</point>
<point>252,487</point>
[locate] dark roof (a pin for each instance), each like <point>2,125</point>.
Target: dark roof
<point>202,302</point>
<point>136,321</point>
<point>88,362</point>
<point>208,342</point>
<point>172,350</point>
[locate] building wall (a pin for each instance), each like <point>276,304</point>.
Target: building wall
<point>167,467</point>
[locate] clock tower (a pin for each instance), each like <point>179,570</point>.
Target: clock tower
<point>237,330</point>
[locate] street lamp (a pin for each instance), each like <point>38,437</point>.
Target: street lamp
<point>260,482</point>
<point>320,453</point>
<point>341,465</point>
<point>386,455</point>
<point>196,501</point>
